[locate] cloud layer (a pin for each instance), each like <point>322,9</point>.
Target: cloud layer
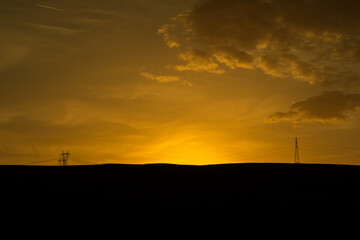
<point>316,41</point>
<point>330,106</point>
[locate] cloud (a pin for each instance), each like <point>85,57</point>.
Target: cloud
<point>160,79</point>
<point>198,61</point>
<point>166,79</point>
<point>48,7</point>
<point>54,29</point>
<point>316,41</point>
<point>330,106</point>
<point>232,57</point>
<point>164,31</point>
<point>288,65</point>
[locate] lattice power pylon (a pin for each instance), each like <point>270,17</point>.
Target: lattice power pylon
<point>296,157</point>
<point>64,158</point>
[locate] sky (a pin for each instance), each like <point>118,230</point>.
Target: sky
<point>180,81</point>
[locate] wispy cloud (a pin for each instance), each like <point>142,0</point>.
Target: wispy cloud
<point>165,78</point>
<point>160,79</point>
<point>55,29</point>
<point>49,7</point>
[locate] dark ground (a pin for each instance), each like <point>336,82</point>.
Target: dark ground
<point>161,186</point>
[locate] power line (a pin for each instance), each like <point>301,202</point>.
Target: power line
<point>43,161</point>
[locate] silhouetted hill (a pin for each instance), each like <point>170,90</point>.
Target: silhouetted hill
<point>228,186</point>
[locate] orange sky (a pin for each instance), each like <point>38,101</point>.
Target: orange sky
<point>187,82</point>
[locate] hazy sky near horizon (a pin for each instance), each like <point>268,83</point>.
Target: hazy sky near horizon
<point>187,82</point>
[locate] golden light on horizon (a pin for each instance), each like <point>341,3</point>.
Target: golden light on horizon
<point>189,153</point>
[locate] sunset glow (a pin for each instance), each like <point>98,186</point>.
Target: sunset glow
<point>183,82</point>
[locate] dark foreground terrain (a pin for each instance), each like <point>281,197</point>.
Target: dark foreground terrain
<point>163,186</point>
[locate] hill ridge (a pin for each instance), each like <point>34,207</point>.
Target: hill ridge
<point>211,186</point>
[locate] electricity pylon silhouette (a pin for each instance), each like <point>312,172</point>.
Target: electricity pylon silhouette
<point>64,158</point>
<point>296,157</point>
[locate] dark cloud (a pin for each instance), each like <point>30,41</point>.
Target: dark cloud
<point>245,23</point>
<point>316,41</point>
<point>328,107</point>
<point>310,40</point>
